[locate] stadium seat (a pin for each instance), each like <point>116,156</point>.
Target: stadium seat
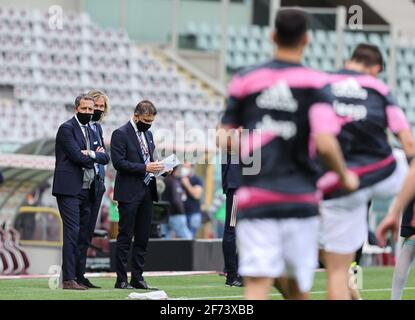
<point>320,36</point>
<point>205,29</point>
<point>251,59</point>
<point>256,33</point>
<point>404,71</point>
<point>232,33</point>
<point>240,45</point>
<point>244,32</point>
<point>409,56</point>
<point>406,85</point>
<point>253,46</point>
<point>203,42</point>
<point>375,38</point>
<point>402,100</point>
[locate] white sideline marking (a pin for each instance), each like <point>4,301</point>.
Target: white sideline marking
<point>114,275</point>
<point>279,294</point>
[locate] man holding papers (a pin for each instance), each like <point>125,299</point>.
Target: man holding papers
<point>132,153</point>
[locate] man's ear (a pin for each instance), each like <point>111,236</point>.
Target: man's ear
<point>274,37</point>
<point>374,70</point>
<point>306,39</point>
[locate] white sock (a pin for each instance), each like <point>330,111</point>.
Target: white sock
<point>403,265</point>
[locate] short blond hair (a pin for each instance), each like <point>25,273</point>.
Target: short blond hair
<point>96,94</point>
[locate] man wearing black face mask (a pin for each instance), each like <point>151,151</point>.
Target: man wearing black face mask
<point>87,225</point>
<point>73,181</point>
<point>132,153</point>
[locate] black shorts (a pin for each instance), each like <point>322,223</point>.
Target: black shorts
<point>406,229</point>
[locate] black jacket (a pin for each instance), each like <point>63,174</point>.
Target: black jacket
<point>174,194</point>
<point>128,160</point>
<point>70,161</point>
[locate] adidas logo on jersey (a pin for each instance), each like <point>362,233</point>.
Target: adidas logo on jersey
<point>354,111</point>
<point>278,97</point>
<point>349,88</point>
<point>283,129</point>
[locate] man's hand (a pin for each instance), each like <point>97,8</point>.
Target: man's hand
<point>228,138</point>
<point>389,223</point>
<point>186,181</point>
<point>350,181</point>
<point>85,152</point>
<point>154,167</point>
<point>100,149</point>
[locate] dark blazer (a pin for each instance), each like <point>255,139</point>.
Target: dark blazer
<point>1,178</point>
<point>173,195</point>
<point>128,160</point>
<point>68,176</point>
<point>98,141</point>
<point>231,175</point>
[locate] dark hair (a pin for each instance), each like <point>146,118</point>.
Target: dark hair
<point>290,26</point>
<point>145,107</point>
<point>369,55</point>
<point>83,96</point>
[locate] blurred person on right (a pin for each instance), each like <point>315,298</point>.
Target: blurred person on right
<point>365,110</point>
<point>287,111</point>
<point>193,186</point>
<point>231,180</point>
<point>404,206</point>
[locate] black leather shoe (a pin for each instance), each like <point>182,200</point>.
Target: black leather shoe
<point>234,282</point>
<point>123,285</point>
<point>85,282</point>
<point>141,285</point>
<point>72,285</point>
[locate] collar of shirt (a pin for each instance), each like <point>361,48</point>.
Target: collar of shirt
<point>139,133</point>
<point>134,125</point>
<point>93,125</point>
<point>80,124</point>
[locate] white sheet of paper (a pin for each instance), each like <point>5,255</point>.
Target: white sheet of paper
<point>169,163</point>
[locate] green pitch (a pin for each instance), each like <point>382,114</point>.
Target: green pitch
<point>376,285</point>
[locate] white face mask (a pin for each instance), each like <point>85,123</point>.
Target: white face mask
<point>185,172</point>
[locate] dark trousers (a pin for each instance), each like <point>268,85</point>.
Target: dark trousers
<point>135,220</point>
<point>73,209</point>
<point>86,232</point>
<point>229,239</point>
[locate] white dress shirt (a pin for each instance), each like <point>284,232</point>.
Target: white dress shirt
<point>140,134</point>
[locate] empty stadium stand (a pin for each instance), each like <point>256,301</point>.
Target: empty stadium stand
<point>248,45</point>
<point>47,68</point>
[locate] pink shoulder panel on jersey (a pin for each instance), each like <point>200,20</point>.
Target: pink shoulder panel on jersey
<point>396,119</point>
<point>258,80</point>
<point>366,81</point>
<point>323,119</point>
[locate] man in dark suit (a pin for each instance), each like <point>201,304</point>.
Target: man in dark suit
<point>87,227</point>
<point>132,153</point>
<point>73,183</point>
<point>1,178</point>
